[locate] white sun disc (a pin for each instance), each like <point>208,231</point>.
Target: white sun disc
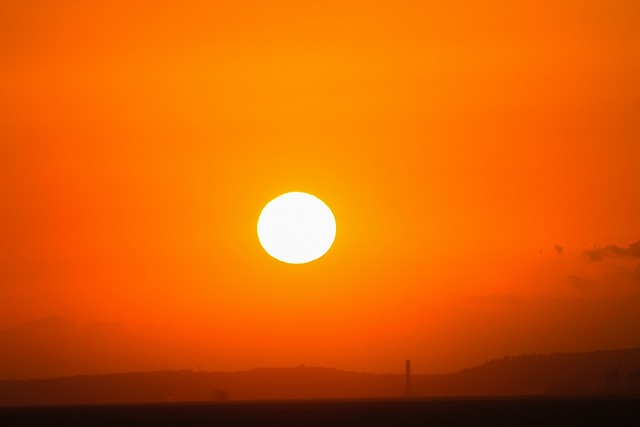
<point>296,228</point>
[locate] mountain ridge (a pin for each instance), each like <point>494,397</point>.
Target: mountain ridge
<point>579,373</point>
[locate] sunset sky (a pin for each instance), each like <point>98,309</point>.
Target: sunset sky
<point>482,163</point>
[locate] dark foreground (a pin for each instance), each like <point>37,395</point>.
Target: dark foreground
<point>562,411</point>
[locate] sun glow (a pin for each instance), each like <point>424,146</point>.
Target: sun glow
<point>296,228</point>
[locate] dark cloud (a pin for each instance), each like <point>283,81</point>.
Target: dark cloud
<point>636,273</point>
<point>597,254</point>
<point>594,254</point>
<point>559,249</point>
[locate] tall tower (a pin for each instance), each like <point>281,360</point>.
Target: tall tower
<point>408,377</point>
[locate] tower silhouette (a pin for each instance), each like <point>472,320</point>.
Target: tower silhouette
<point>407,391</point>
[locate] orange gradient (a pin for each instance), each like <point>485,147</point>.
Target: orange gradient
<point>455,143</point>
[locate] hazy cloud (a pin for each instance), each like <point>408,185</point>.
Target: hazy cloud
<point>579,283</point>
<point>55,346</point>
<point>597,254</point>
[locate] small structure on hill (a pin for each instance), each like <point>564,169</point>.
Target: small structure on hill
<point>611,379</point>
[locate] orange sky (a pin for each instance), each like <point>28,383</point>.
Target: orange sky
<point>456,143</point>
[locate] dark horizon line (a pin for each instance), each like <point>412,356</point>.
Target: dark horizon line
<point>303,366</point>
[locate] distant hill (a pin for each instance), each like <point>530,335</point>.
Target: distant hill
<point>559,373</point>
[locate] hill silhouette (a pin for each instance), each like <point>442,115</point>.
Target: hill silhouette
<point>590,373</point>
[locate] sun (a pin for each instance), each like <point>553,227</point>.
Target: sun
<point>296,228</point>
